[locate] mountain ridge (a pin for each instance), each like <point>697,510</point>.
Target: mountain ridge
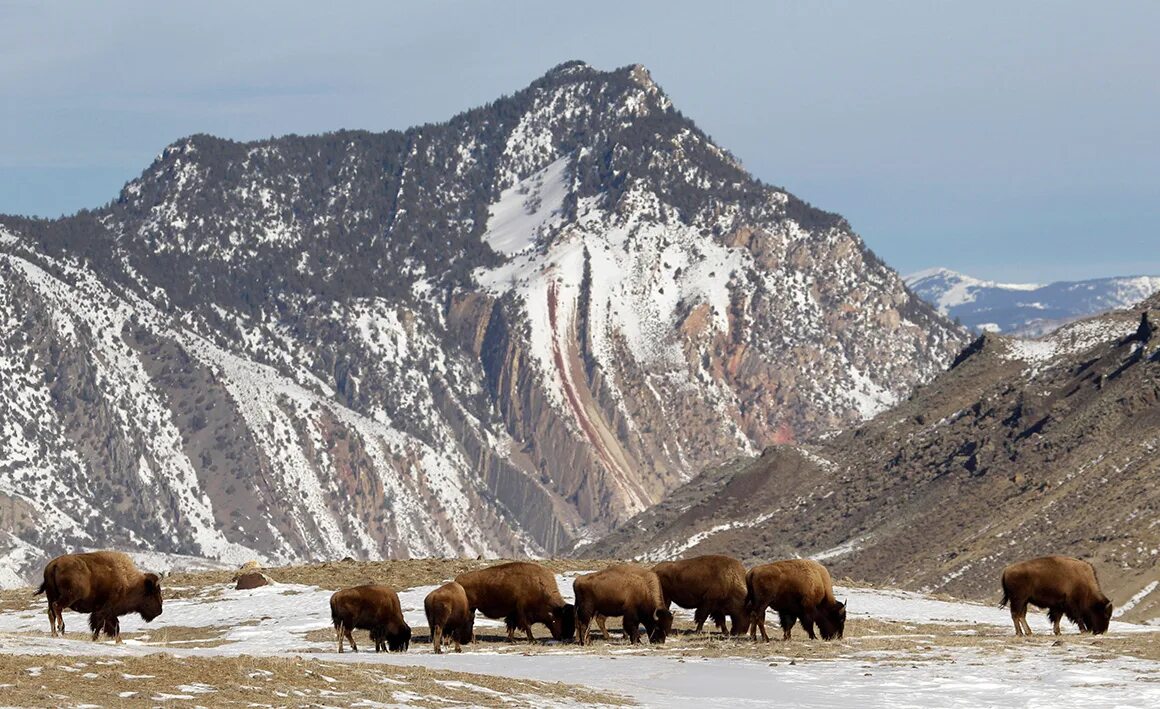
<point>495,335</point>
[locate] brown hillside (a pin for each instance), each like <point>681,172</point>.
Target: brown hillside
<point>1022,448</point>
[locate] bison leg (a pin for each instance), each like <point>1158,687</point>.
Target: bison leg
<point>113,629</point>
<point>437,639</point>
<point>808,624</point>
<point>787,620</point>
<point>56,608</point>
<point>1019,618</point>
<point>346,630</point>
<point>699,616</point>
<point>719,621</point>
<point>97,623</point>
<point>583,625</point>
<point>512,623</point>
<point>602,622</point>
<point>1055,615</point>
<point>519,620</point>
<point>52,619</point>
<point>758,623</point>
<point>632,628</point>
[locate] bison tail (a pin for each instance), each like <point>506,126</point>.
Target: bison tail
<point>42,589</point>
<point>1006,595</point>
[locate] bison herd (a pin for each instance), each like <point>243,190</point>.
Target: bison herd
<point>107,585</point>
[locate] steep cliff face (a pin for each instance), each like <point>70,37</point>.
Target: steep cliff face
<point>497,335</point>
<point>1023,448</point>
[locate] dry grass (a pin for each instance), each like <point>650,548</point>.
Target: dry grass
<point>19,599</point>
<point>55,680</point>
<point>296,681</point>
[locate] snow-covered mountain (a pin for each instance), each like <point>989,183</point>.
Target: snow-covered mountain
<point>497,335</point>
<point>1025,309</point>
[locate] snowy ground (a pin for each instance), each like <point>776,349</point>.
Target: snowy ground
<point>901,649</point>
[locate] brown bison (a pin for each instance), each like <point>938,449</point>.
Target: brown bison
<point>104,584</point>
<point>522,593</point>
<point>372,607</point>
<point>626,590</point>
<point>1061,584</point>
<point>448,615</point>
<point>712,584</point>
<point>796,589</point>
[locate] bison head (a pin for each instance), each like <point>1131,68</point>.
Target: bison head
<point>565,617</point>
<point>832,623</point>
<point>1099,616</point>
<point>150,604</point>
<point>395,642</point>
<point>664,626</point>
<point>400,641</point>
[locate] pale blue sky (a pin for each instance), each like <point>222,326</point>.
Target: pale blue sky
<point>1015,141</point>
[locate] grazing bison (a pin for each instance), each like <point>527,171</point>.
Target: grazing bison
<point>372,607</point>
<point>626,590</point>
<point>796,589</point>
<point>448,615</point>
<point>712,584</point>
<point>522,593</point>
<point>1061,584</point>
<point>104,584</point>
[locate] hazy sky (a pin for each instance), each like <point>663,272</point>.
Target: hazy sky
<point>1014,141</point>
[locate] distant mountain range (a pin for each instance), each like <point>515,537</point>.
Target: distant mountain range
<point>1025,309</point>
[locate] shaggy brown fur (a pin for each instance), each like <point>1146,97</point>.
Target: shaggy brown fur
<point>104,584</point>
<point>522,593</point>
<point>1064,586</point>
<point>626,590</point>
<point>372,607</point>
<point>713,584</point>
<point>796,589</point>
<point>448,615</point>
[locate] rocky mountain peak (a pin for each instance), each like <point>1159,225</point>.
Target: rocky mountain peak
<point>500,334</point>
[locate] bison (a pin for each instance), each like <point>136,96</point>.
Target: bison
<point>522,593</point>
<point>372,607</point>
<point>1064,586</point>
<point>449,615</point>
<point>712,584</point>
<point>627,590</point>
<point>104,584</point>
<point>796,589</point>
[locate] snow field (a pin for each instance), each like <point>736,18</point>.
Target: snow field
<point>1002,672</point>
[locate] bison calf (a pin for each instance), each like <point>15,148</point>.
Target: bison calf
<point>373,607</point>
<point>1064,586</point>
<point>712,584</point>
<point>448,615</point>
<point>796,589</point>
<point>626,590</point>
<point>522,593</point>
<point>104,584</point>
